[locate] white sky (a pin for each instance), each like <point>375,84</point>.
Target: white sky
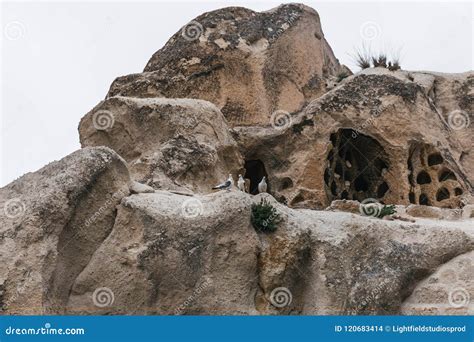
<point>67,55</point>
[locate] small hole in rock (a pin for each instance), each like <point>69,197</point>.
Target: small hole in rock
<point>458,191</point>
<point>411,197</point>
<point>344,195</point>
<point>382,190</point>
<point>423,178</point>
<point>423,200</point>
<point>434,159</point>
<point>288,183</point>
<point>446,174</point>
<point>442,194</point>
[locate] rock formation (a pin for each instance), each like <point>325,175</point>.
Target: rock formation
<point>129,223</point>
<point>249,64</point>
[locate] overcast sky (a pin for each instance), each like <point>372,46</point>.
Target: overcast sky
<point>59,59</point>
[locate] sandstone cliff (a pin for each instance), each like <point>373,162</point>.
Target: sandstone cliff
<point>129,223</point>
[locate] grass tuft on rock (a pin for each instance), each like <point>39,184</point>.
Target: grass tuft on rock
<point>265,217</point>
<point>387,210</point>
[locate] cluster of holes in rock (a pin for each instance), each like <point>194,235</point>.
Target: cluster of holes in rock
<point>432,182</point>
<point>356,166</point>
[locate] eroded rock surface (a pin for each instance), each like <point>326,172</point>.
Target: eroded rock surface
<point>241,92</point>
<point>249,64</point>
<point>174,254</point>
<point>448,291</point>
<point>379,135</point>
<point>168,143</point>
<point>51,223</point>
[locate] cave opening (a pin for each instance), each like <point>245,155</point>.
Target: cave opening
<point>423,178</point>
<point>446,174</point>
<point>424,200</point>
<point>442,194</point>
<point>435,159</point>
<point>356,165</point>
<point>254,171</point>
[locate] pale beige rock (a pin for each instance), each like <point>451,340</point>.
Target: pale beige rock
<point>448,291</point>
<point>165,253</point>
<point>178,144</point>
<point>139,188</point>
<point>433,212</point>
<point>344,205</point>
<point>249,64</point>
<point>73,241</point>
<point>399,143</point>
<point>173,254</point>
<point>468,212</point>
<point>51,222</point>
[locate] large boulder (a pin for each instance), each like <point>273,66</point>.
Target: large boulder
<point>448,291</point>
<point>249,64</point>
<point>168,143</point>
<point>51,223</point>
<point>175,254</point>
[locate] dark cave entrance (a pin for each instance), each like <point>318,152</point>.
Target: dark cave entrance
<point>255,170</point>
<point>356,166</point>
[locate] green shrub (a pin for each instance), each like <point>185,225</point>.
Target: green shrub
<point>387,210</point>
<point>265,217</point>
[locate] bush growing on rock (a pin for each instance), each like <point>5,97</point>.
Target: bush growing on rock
<point>265,217</point>
<point>387,210</point>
